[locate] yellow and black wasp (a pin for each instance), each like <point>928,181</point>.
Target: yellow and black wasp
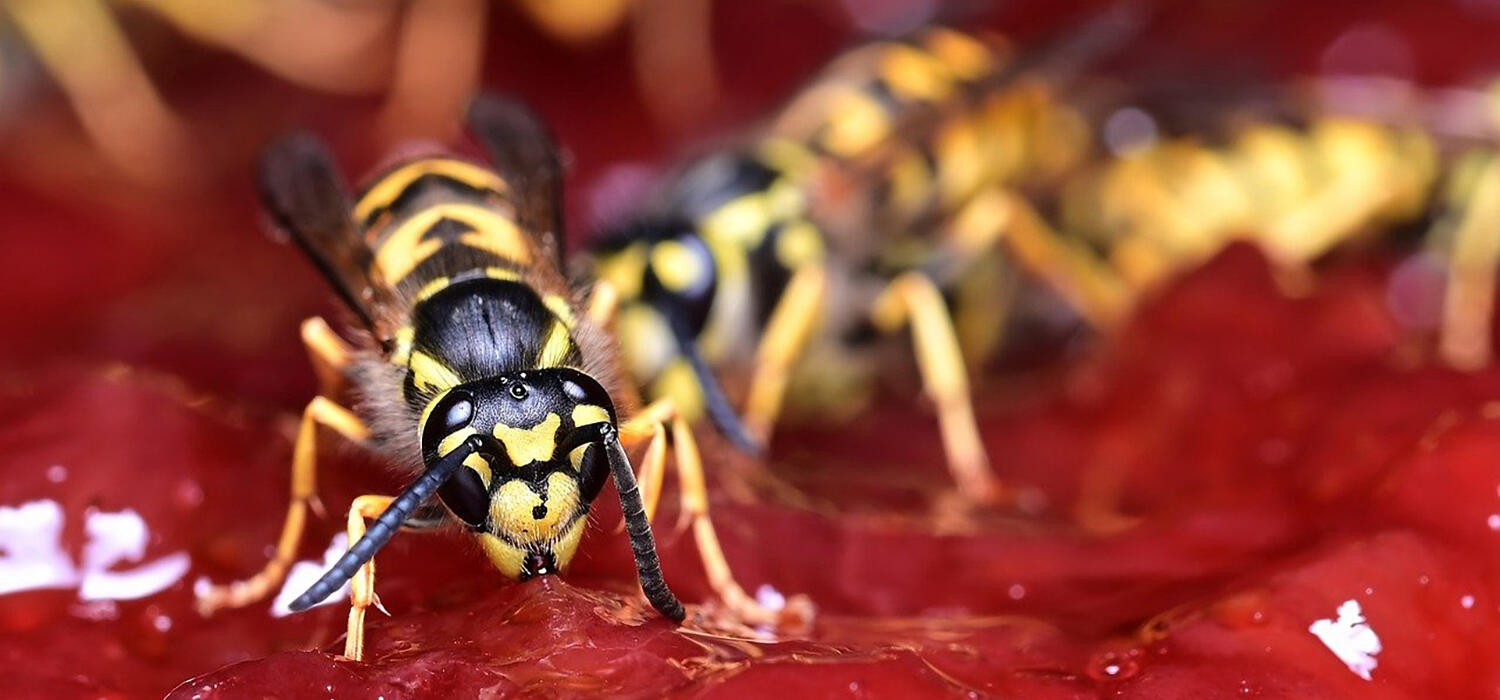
<point>473,368</point>
<point>1307,180</point>
<point>782,258</point>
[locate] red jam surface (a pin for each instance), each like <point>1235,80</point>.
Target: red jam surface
<point>1276,462</point>
<point>1307,505</point>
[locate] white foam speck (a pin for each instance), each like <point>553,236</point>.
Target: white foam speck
<point>1467,602</point>
<point>32,556</point>
<point>1350,638</point>
<point>119,537</point>
<point>31,553</point>
<point>304,574</point>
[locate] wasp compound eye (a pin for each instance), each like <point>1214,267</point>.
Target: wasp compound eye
<point>458,414</point>
<point>451,414</point>
<point>467,495</point>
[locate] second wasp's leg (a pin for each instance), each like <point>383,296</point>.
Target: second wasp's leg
<point>786,334</point>
<point>1469,300</point>
<point>913,298</point>
<point>362,586</point>
<point>999,217</point>
<point>319,411</point>
<point>604,301</point>
<point>648,424</point>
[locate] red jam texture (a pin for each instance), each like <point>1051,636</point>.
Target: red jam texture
<point>1279,463</point>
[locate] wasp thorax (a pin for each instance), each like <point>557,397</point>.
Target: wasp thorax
<point>527,491</point>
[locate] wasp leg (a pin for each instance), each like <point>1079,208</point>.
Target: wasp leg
<point>912,297</point>
<point>362,585</point>
<point>328,353</point>
<point>1001,217</point>
<point>319,411</point>
<point>436,69</point>
<point>604,301</point>
<point>649,425</point>
<point>786,334</point>
<point>82,46</point>
<point>1470,297</point>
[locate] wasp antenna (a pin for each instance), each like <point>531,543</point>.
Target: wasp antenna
<point>715,403</point>
<point>385,527</point>
<point>642,544</point>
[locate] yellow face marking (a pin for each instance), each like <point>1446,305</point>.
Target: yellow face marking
<point>481,466</point>
<point>798,245</point>
<point>401,347</point>
<point>623,270</point>
<point>856,123</point>
<point>527,445</point>
<point>913,75</point>
<point>677,266</point>
<point>427,410</point>
<point>742,220</point>
<point>433,287</point>
<point>966,57</point>
<point>525,518</point>
<point>588,414</point>
<point>510,559</point>
<point>557,346</point>
<point>507,558</point>
<point>428,374</point>
<point>392,185</point>
<point>451,442</point>
<point>406,248</point>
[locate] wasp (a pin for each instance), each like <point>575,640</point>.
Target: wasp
<point>1301,187</point>
<point>781,258</point>
<point>474,366</point>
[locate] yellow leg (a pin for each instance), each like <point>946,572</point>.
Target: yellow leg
<point>999,217</point>
<point>319,411</point>
<point>786,334</point>
<point>912,297</point>
<point>81,45</point>
<point>437,66</point>
<point>362,586</point>
<point>648,424</point>
<point>1468,303</point>
<point>328,353</point>
<point>604,301</point>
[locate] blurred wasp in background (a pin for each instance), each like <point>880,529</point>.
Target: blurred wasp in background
<point>474,365</point>
<point>875,190</point>
<point>1302,176</point>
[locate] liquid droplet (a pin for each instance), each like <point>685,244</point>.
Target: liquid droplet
<point>1113,665</point>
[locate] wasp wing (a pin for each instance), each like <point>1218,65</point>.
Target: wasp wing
<point>525,155</point>
<point>302,190</point>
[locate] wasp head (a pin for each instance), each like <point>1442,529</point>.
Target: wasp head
<point>527,491</point>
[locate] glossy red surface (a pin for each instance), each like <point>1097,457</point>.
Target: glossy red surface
<point>1283,456</point>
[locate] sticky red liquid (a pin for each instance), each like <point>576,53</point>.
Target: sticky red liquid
<point>1282,456</point>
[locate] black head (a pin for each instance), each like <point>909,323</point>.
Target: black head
<point>526,491</point>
